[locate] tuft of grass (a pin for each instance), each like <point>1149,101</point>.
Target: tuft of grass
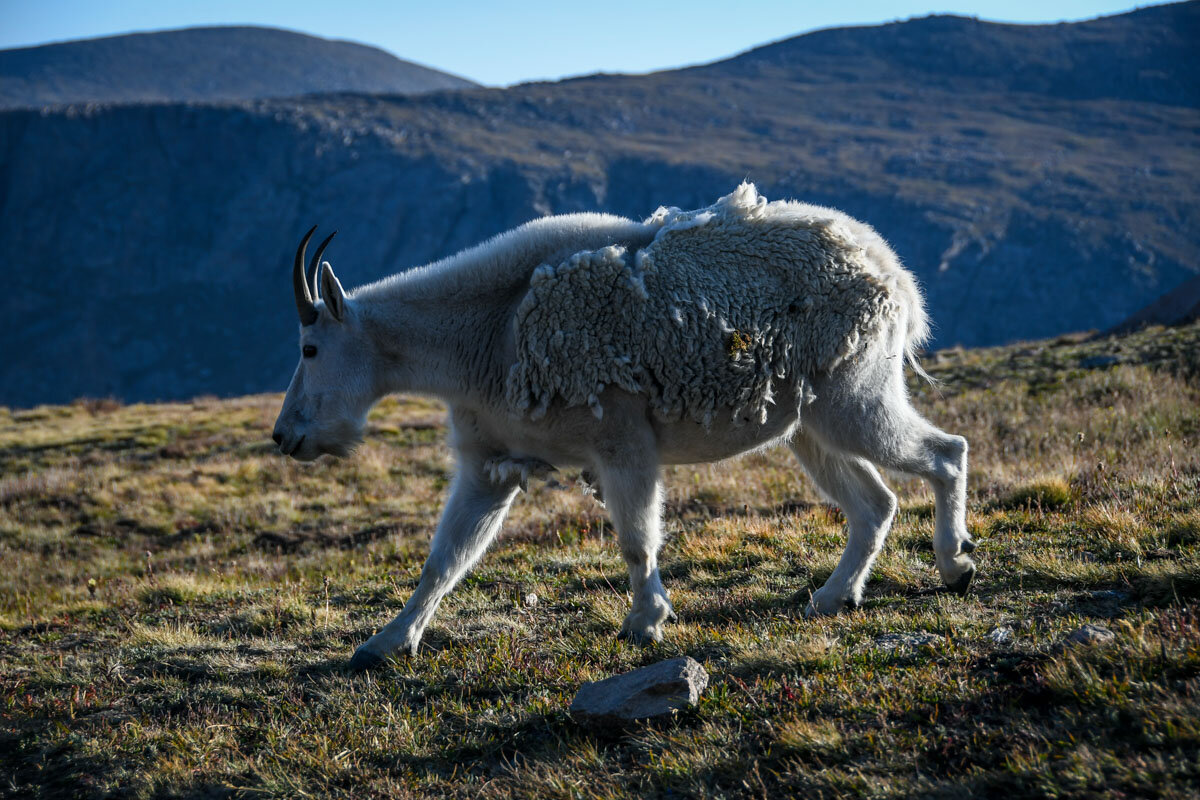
<point>1053,494</point>
<point>814,739</point>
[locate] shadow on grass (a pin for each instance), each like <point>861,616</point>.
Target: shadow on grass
<point>307,537</point>
<point>692,509</point>
<point>743,609</point>
<point>534,742</point>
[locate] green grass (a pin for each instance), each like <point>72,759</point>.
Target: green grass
<point>178,603</point>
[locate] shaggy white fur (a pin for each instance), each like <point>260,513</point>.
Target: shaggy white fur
<point>723,304</point>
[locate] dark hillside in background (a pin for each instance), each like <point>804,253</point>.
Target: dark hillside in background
<point>1038,179</point>
<point>205,64</point>
<point>1179,306</point>
<point>1146,55</point>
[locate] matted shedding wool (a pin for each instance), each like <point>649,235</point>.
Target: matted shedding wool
<point>726,305</point>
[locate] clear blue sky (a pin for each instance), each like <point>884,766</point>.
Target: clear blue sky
<point>504,42</point>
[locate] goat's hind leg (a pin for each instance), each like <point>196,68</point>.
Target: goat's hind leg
<point>941,459</point>
<point>885,429</point>
<point>869,507</point>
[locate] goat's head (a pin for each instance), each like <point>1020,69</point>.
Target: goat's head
<point>332,390</point>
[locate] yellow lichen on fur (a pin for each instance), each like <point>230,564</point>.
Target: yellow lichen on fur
<point>739,343</point>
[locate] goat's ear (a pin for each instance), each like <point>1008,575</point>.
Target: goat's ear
<point>332,293</point>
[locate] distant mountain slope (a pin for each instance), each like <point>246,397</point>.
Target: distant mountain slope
<point>1145,55</point>
<point>205,64</point>
<point>148,247</point>
<point>1179,306</point>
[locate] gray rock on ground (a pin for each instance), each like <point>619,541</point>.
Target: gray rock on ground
<point>652,691</point>
<point>1001,634</point>
<point>1091,634</point>
<point>907,640</point>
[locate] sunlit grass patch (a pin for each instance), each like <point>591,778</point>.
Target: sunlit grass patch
<point>808,737</point>
<point>171,637</point>
<point>1047,495</point>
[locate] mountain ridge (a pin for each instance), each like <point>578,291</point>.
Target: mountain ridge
<point>205,64</point>
<point>1154,63</point>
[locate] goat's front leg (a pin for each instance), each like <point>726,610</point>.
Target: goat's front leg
<point>633,495</point>
<point>472,518</point>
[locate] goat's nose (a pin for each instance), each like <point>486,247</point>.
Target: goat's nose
<point>278,437</point>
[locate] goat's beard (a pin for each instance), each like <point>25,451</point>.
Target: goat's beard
<point>340,439</point>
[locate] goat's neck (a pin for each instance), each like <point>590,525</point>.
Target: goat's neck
<point>438,346</point>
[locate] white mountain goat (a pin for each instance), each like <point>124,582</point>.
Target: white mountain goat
<point>595,341</point>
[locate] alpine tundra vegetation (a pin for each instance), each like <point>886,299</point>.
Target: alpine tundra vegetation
<point>598,342</point>
<point>177,602</point>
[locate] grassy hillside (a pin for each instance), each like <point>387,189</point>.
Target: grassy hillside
<point>177,604</point>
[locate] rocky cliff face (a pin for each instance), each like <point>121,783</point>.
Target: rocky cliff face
<point>149,247</point>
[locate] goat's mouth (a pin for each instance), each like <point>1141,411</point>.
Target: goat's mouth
<point>307,448</point>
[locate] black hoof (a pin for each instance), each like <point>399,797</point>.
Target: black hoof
<point>967,546</point>
<point>961,585</point>
<point>852,604</point>
<point>672,617</point>
<point>633,637</point>
<point>363,660</point>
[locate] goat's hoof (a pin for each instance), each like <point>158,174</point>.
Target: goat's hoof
<point>963,583</point>
<point>644,638</point>
<point>812,611</point>
<point>364,660</point>
<point>672,616</point>
<point>967,546</point>
<point>826,602</point>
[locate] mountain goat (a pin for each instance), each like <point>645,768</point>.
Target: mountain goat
<point>599,342</point>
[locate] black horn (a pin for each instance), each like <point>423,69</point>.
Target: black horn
<point>304,298</point>
<point>315,267</point>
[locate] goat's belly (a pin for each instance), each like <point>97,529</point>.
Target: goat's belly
<point>575,436</point>
<point>687,442</point>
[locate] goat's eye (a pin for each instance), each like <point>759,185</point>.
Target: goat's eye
<point>309,351</point>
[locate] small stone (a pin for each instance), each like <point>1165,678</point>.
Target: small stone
<point>1000,635</point>
<point>897,641</point>
<point>531,600</point>
<point>1091,634</point>
<point>654,691</point>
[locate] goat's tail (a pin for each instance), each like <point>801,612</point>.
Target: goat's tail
<point>917,332</point>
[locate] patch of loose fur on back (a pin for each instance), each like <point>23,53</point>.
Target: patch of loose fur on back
<point>726,305</point>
